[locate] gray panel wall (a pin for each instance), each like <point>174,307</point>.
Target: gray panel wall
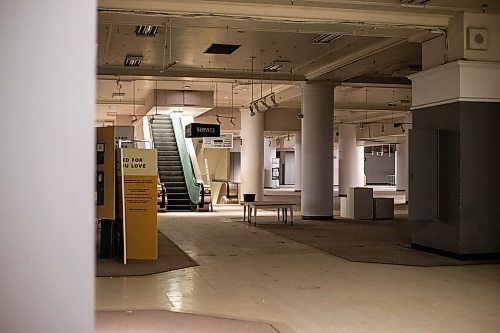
<point>378,168</point>
<point>480,177</point>
<point>442,234</point>
<point>469,184</point>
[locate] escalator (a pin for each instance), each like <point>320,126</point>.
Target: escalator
<point>170,170</point>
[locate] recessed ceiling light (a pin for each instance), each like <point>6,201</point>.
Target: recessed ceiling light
<point>325,38</point>
<point>146,30</point>
<point>132,61</point>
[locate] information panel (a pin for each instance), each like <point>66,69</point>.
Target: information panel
<point>223,141</point>
<point>139,178</point>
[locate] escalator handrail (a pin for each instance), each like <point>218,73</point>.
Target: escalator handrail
<point>191,184</point>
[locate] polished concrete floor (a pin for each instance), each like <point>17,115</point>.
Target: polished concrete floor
<point>247,273</point>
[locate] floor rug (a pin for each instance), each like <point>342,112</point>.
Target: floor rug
<point>170,257</point>
<point>386,242</point>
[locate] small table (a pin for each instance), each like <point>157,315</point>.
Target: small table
<point>285,206</point>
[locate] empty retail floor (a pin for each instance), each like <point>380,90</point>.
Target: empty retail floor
<point>248,273</point>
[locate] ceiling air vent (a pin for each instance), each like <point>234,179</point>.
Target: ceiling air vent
<point>118,95</point>
<point>273,67</point>
<point>414,2</point>
<point>132,61</point>
<point>325,38</point>
<point>221,48</point>
<point>146,30</point>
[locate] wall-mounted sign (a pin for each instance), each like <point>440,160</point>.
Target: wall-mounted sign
<point>223,141</point>
<point>199,130</point>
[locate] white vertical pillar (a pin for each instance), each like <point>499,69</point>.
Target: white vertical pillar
<point>336,166</point>
<point>47,174</point>
<point>269,154</point>
<point>317,151</point>
<point>298,161</point>
<point>252,154</point>
<point>351,166</point>
<point>360,166</point>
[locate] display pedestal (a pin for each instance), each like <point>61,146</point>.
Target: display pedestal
<point>359,203</point>
<point>383,208</point>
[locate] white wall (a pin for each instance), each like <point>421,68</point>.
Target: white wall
<point>47,174</point>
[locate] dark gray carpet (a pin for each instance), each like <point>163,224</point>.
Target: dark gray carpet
<point>170,257</point>
<point>386,242</point>
<point>173,322</point>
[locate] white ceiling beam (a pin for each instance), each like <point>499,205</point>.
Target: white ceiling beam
<point>355,56</point>
<point>281,13</point>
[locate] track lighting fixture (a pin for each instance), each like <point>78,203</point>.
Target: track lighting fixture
<point>264,102</point>
<point>273,99</point>
<point>252,113</point>
<point>256,106</point>
<point>218,118</point>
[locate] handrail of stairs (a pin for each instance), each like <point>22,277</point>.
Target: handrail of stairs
<point>192,185</point>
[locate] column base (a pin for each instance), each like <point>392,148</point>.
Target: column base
<point>319,217</point>
<point>457,256</point>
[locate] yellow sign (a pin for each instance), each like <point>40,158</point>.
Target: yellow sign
<point>139,178</point>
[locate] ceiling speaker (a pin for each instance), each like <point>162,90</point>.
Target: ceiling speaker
<point>477,39</point>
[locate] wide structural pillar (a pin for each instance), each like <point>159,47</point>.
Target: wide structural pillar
<point>298,161</point>
<point>317,151</point>
<point>453,158</point>
<point>351,163</point>
<point>252,153</point>
<point>47,173</point>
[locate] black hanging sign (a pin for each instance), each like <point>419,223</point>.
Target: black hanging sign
<point>199,130</point>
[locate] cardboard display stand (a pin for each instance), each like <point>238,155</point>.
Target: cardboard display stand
<point>138,174</point>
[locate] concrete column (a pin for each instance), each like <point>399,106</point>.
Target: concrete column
<point>252,153</point>
<point>317,151</point>
<point>298,161</point>
<point>402,160</point>
<point>360,165</point>
<point>351,165</point>
<point>407,126</point>
<point>269,154</point>
<point>401,165</point>
<point>47,172</point>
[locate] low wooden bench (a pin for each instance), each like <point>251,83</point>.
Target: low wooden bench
<point>249,207</point>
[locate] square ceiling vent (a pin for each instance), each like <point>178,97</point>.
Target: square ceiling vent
<point>221,48</point>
